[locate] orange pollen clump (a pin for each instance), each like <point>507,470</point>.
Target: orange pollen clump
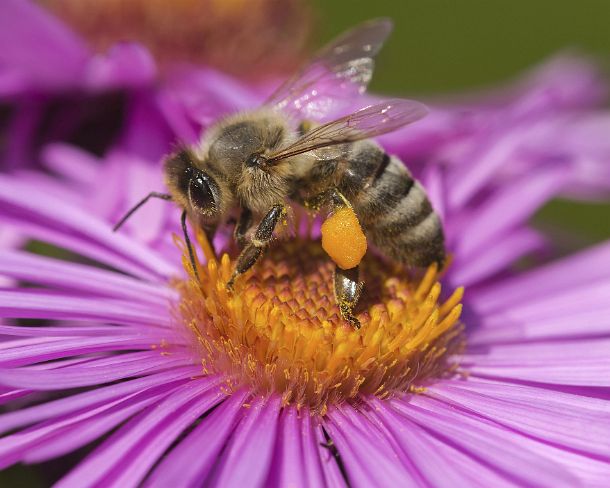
<point>343,239</point>
<point>280,331</point>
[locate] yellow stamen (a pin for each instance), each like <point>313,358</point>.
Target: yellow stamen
<point>281,332</point>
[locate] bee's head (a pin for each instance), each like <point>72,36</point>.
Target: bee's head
<point>192,187</point>
<point>238,147</point>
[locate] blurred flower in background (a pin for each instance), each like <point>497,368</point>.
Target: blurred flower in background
<point>94,91</point>
<point>252,39</point>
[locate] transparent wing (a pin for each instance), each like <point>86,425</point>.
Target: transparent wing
<point>338,73</point>
<point>372,121</point>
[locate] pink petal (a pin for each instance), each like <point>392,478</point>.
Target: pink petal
<point>38,304</point>
<point>16,447</point>
<point>192,460</point>
<point>15,197</point>
<point>427,452</point>
<point>509,454</point>
<point>248,457</point>
<point>368,460</point>
<point>567,273</point>
<point>38,45</point>
<point>100,371</point>
<point>505,210</point>
<point>528,410</point>
<point>523,458</point>
<point>126,456</point>
<point>90,399</point>
<point>297,459</point>
<point>61,274</point>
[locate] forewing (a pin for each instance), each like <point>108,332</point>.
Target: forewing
<point>337,74</point>
<point>371,121</point>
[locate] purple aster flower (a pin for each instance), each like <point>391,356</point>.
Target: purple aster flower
<point>55,87</point>
<point>172,381</point>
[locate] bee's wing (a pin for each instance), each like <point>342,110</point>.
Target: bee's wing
<point>338,73</point>
<point>372,121</point>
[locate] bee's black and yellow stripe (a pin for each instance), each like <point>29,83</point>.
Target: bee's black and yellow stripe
<point>392,206</point>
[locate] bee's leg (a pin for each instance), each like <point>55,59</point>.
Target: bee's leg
<point>262,237</point>
<point>331,198</point>
<point>241,228</point>
<point>347,293</point>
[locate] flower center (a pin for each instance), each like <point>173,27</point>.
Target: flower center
<point>280,331</point>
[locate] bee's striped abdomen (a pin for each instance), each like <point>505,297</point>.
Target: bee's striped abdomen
<point>393,208</point>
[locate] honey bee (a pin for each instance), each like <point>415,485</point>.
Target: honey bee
<point>260,161</point>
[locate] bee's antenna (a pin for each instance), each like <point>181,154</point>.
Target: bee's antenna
<point>188,244</point>
<point>153,194</point>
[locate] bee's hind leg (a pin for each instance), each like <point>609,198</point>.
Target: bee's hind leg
<point>254,249</point>
<point>348,289</point>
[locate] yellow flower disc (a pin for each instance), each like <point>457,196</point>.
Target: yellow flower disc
<point>281,332</point>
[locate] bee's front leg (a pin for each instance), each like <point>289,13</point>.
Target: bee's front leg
<point>348,289</point>
<point>242,227</point>
<point>260,241</point>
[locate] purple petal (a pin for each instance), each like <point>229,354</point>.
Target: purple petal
<point>576,313</point>
<point>38,304</point>
<point>37,45</point>
<point>59,347</point>
<point>506,209</point>
<point>61,274</point>
<point>100,371</point>
<point>584,362</point>
<point>80,245</point>
<point>524,459</point>
<point>568,273</point>
<point>76,435</point>
<point>90,399</point>
<point>191,461</point>
<point>248,458</point>
<point>333,476</point>
<point>64,331</point>
<point>147,133</point>
<point>21,129</point>
<point>207,94</point>
<point>499,257</point>
<point>574,425</point>
<point>297,459</point>
<point>368,459</point>
<point>8,395</point>
<point>125,65</point>
<point>71,162</point>
<point>16,447</point>
<point>124,459</point>
<point>56,214</point>
<point>427,452</point>
<point>509,454</point>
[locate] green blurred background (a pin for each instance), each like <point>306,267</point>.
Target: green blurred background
<point>445,46</point>
<point>448,46</point>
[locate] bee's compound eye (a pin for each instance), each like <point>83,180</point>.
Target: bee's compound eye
<point>201,195</point>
